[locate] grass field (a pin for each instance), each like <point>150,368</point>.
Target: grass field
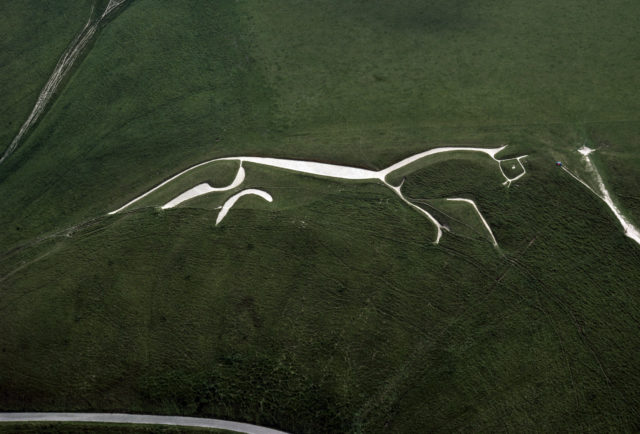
<point>127,120</point>
<point>433,63</point>
<point>210,321</point>
<point>330,309</point>
<point>32,36</point>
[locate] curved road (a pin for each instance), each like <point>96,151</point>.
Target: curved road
<point>140,419</point>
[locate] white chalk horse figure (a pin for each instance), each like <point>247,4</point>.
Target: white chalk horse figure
<point>328,171</point>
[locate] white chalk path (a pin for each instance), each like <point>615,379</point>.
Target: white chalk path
<point>630,230</point>
<point>510,180</point>
<point>138,419</point>
<point>473,204</point>
<point>324,170</point>
<point>111,6</point>
<point>64,65</point>
<point>233,199</point>
<point>422,211</point>
<point>199,190</point>
<point>399,165</point>
<point>312,167</point>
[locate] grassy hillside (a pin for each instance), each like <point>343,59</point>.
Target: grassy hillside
<point>337,314</point>
<point>417,63</point>
<point>330,309</point>
<point>33,35</point>
<point>171,95</point>
<point>618,160</point>
<point>168,85</point>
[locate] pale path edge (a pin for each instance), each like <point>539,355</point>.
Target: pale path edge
<point>140,419</point>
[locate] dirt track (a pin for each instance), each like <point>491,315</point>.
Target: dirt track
<point>62,69</point>
<point>143,419</point>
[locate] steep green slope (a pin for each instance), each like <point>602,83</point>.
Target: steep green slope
<point>618,160</point>
<point>367,64</point>
<point>168,85</point>
<point>338,314</point>
<point>33,35</point>
<point>163,85</point>
<point>330,309</point>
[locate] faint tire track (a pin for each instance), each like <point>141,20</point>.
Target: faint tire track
<point>60,72</point>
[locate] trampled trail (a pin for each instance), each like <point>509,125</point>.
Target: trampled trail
<point>630,230</point>
<point>473,204</point>
<point>113,4</point>
<point>329,171</point>
<point>62,69</point>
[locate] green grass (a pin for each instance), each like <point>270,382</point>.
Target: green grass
<point>145,104</point>
<point>159,119</point>
<point>367,65</point>
<point>460,218</point>
<point>330,309</point>
<point>33,35</point>
<point>617,160</point>
<point>320,326</point>
<point>511,168</point>
<point>482,161</point>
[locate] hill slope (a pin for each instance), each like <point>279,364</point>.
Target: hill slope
<point>330,309</point>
